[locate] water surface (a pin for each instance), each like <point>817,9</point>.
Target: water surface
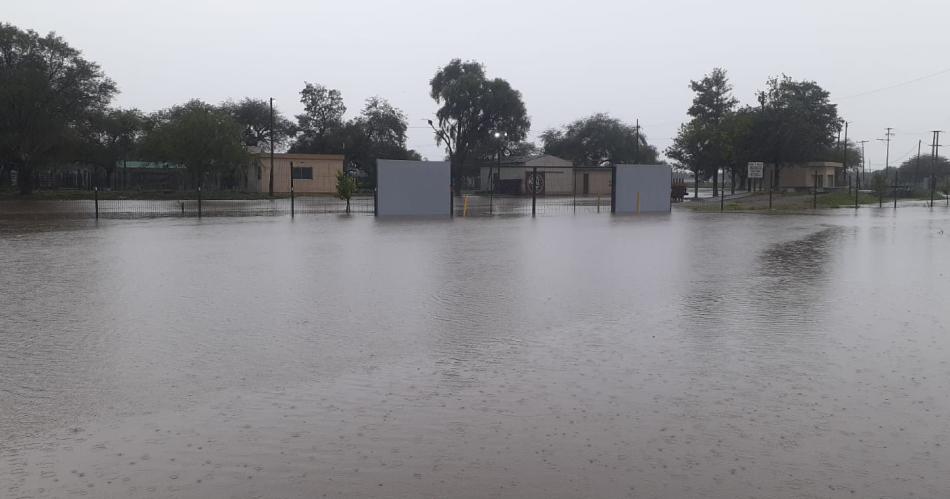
<point>681,355</point>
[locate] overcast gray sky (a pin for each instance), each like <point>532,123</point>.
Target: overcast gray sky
<point>633,59</point>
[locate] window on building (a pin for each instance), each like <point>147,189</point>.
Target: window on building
<point>302,173</point>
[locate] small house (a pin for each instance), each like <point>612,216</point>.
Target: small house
<point>554,176</point>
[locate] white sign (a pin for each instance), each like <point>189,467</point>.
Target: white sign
<point>756,169</point>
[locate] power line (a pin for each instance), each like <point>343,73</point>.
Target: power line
<point>896,85</point>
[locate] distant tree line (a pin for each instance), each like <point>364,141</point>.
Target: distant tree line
<point>791,122</point>
<point>56,109</point>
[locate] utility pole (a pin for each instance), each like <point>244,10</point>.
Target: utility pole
<point>887,161</point>
<point>935,146</point>
<point>270,178</point>
<point>917,168</point>
<point>636,154</point>
<point>857,187</point>
<point>845,159</point>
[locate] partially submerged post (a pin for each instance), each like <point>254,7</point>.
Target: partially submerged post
<point>613,189</point>
<point>534,190</point>
<point>722,193</point>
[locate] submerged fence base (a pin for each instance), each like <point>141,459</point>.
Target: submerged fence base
<point>96,207</point>
<point>486,205</point>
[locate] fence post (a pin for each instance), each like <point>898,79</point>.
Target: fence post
<point>534,190</point>
<point>722,195</point>
<point>574,189</point>
<point>613,188</point>
<point>291,189</point>
<point>376,201</point>
<point>96,191</point>
<point>199,201</point>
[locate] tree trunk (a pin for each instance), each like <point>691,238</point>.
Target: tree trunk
<point>733,185</point>
<point>695,184</point>
<point>455,176</point>
<point>347,206</point>
<point>716,183</point>
<point>24,179</point>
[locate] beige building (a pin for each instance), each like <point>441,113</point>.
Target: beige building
<point>592,180</point>
<point>312,173</point>
<point>806,176</point>
<point>555,176</point>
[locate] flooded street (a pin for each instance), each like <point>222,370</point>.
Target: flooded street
<point>683,355</point>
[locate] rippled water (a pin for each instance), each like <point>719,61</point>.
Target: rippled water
<point>688,355</point>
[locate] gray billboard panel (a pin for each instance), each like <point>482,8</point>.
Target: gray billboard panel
<point>413,188</point>
<point>643,188</point>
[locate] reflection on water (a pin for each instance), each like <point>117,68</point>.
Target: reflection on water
<point>688,355</point>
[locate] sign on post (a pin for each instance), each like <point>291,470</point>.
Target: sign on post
<point>756,169</point>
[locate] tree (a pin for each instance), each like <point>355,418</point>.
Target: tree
<point>522,149</point>
<point>263,128</point>
<point>879,186</point>
<point>108,137</point>
<point>321,124</point>
<point>46,90</point>
<point>254,116</point>
<point>705,145</point>
<point>838,152</point>
<point>597,139</point>
<point>795,122</point>
<point>909,169</point>
<point>203,138</point>
<point>691,150</point>
<point>345,187</point>
<point>488,152</point>
<point>378,132</point>
<point>740,146</point>
<point>471,109</point>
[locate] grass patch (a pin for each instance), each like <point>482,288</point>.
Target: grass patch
<point>793,202</point>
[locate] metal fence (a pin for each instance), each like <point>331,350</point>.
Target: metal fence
<point>467,205</point>
<point>189,206</point>
<point>482,205</point>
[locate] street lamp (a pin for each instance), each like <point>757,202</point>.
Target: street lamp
<point>448,145</point>
<point>501,138</point>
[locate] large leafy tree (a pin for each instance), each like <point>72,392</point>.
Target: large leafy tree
<point>705,144</point>
<point>915,172</point>
<point>691,149</point>
<point>487,153</point>
<point>795,122</point>
<point>472,108</point>
<point>254,116</point>
<point>264,128</point>
<point>110,136</point>
<point>47,90</point>
<point>378,132</point>
<point>321,124</point>
<point>205,139</point>
<point>597,139</point>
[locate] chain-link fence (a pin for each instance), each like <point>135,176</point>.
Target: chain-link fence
<point>481,205</point>
<point>79,205</point>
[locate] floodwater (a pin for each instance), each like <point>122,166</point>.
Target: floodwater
<point>685,355</point>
